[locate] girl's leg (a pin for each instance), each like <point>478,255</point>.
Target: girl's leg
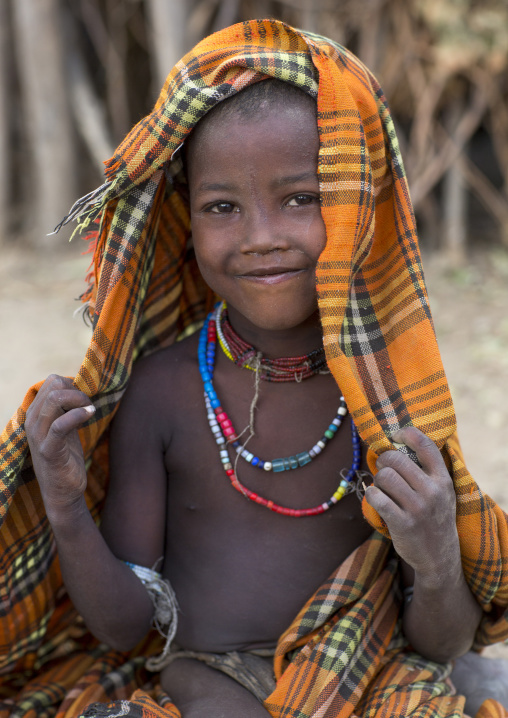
<point>203,692</point>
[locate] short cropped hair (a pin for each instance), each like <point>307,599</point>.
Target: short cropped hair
<point>254,100</point>
<point>251,103</point>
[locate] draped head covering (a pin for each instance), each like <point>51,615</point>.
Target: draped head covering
<point>146,290</point>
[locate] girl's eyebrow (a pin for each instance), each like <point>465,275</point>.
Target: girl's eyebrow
<point>215,187</point>
<point>279,182</point>
<point>294,179</point>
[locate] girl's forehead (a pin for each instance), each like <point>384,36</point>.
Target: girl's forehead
<point>281,129</point>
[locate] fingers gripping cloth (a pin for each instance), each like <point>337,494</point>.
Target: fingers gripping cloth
<point>165,604</point>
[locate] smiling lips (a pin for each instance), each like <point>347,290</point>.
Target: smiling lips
<point>271,275</point>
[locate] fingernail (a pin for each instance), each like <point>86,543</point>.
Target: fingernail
<point>397,445</point>
<point>90,408</point>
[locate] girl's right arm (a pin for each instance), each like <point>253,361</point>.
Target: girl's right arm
<point>112,600</point>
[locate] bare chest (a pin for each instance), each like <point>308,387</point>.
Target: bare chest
<point>253,567</point>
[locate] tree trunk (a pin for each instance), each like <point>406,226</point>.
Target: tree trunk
<point>87,108</point>
<point>46,114</point>
<point>116,61</point>
<point>167,21</point>
<point>89,114</point>
<point>5,115</point>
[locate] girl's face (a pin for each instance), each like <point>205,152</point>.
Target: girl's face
<point>255,214</point>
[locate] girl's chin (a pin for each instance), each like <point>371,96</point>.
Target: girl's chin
<point>275,319</point>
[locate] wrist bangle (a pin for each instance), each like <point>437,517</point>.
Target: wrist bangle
<point>165,618</point>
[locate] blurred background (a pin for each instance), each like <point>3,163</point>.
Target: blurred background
<point>75,75</point>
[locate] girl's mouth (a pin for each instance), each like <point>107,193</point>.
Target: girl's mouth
<point>271,275</point>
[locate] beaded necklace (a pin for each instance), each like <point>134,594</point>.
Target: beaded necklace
<point>282,369</point>
<point>224,433</point>
<point>288,369</point>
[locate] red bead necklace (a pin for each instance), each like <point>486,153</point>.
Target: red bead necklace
<point>277,370</point>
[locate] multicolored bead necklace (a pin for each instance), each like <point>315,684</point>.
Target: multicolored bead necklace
<point>224,433</point>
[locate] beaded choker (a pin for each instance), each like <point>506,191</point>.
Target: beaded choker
<point>225,434</point>
<point>244,355</point>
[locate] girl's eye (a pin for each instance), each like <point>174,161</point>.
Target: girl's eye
<point>223,208</point>
<point>301,199</point>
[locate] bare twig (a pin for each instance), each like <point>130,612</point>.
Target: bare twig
<point>442,160</point>
<point>421,140</point>
<point>493,201</point>
<point>498,124</point>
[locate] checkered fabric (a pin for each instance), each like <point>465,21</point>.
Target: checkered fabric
<point>341,657</point>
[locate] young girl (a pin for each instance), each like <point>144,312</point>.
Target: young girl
<point>239,455</point>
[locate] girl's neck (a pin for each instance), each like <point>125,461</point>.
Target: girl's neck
<point>276,343</point>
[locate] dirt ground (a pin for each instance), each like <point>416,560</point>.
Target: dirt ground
<point>42,335</point>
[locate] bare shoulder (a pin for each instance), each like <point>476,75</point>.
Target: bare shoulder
<point>166,366</point>
<point>158,395</point>
<point>160,384</point>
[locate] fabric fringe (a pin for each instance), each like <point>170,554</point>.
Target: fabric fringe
<point>83,206</point>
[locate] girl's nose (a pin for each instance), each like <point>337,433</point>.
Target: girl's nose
<point>263,234</point>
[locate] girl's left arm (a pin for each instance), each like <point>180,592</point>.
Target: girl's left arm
<point>441,614</point>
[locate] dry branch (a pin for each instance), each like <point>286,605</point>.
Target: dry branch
<point>448,153</point>
<point>493,201</point>
<point>422,138</point>
<point>499,126</point>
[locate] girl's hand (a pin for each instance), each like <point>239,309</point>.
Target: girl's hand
<point>51,426</point>
<point>418,505</point>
